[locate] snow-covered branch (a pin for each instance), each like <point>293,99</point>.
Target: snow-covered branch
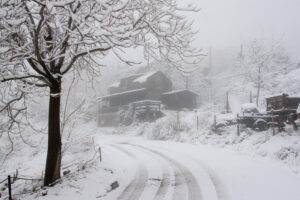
<point>41,41</point>
<point>16,77</point>
<point>75,57</point>
<point>56,34</point>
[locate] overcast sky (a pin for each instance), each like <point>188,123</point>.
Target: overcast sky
<point>227,23</point>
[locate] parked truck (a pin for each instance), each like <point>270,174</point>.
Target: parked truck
<point>281,110</point>
<point>251,117</point>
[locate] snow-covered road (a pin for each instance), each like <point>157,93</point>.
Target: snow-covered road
<point>163,170</point>
<point>161,174</point>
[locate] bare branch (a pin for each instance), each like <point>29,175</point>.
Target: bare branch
<point>81,54</point>
<point>10,78</point>
<point>12,101</point>
<point>37,49</point>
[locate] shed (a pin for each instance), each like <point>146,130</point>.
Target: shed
<point>180,99</point>
<point>283,101</point>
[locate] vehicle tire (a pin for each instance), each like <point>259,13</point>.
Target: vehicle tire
<point>220,125</point>
<point>260,125</point>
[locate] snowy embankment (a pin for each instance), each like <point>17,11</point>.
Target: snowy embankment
<point>147,169</point>
<point>284,147</point>
<point>83,175</point>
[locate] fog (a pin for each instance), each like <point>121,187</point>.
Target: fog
<point>227,24</point>
<point>223,26</point>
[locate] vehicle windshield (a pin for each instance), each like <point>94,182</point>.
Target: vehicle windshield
<point>250,110</point>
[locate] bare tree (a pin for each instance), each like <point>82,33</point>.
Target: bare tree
<point>259,59</point>
<point>41,41</point>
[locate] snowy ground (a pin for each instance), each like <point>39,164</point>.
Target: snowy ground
<point>197,164</point>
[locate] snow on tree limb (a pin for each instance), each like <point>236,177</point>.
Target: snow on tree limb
<point>9,78</point>
<point>41,41</point>
<point>75,25</point>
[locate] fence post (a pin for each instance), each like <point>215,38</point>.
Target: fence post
<point>273,129</point>
<point>197,122</point>
<point>238,125</point>
<point>9,187</point>
<point>215,122</point>
<point>227,103</point>
<point>178,120</point>
<point>100,154</point>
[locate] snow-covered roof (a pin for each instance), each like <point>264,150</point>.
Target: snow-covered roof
<point>248,106</point>
<point>179,91</point>
<point>147,101</point>
<point>122,93</point>
<point>281,94</point>
<point>275,95</point>
<point>144,78</point>
<point>115,85</point>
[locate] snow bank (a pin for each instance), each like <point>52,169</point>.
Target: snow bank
<point>84,175</point>
<point>182,127</point>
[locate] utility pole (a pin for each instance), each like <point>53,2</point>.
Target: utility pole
<point>210,59</point>
<point>238,125</point>
<point>210,73</point>
<point>227,103</point>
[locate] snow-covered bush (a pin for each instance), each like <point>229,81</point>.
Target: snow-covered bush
<point>126,115</point>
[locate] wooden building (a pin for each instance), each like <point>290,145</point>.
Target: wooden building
<point>147,86</point>
<point>282,102</point>
<point>153,86</point>
<point>180,99</point>
<point>283,106</point>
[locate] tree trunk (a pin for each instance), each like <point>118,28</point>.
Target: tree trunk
<point>257,94</point>
<point>259,82</point>
<point>52,172</point>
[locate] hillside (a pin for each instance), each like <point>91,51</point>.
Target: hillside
<point>82,136</point>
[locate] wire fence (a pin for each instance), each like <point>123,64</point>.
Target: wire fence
<point>12,179</point>
<point>3,181</point>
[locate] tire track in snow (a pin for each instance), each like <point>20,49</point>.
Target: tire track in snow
<point>165,184</point>
<point>182,175</point>
<point>219,187</point>
<point>217,183</point>
<point>136,187</point>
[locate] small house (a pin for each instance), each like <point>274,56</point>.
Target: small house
<point>145,89</point>
<point>147,86</point>
<point>180,99</point>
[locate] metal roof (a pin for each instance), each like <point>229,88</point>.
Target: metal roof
<point>122,93</point>
<point>180,91</point>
